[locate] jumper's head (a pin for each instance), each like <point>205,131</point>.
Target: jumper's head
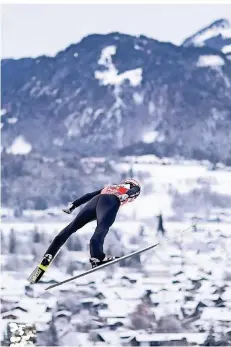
<point>132,183</point>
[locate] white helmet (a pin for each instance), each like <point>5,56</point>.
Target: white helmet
<point>132,183</point>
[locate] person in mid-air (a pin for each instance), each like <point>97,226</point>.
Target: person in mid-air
<point>102,206</point>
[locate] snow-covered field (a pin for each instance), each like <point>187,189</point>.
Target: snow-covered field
<point>160,180</point>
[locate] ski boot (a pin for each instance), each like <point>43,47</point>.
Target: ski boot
<point>96,262</point>
<point>40,269</point>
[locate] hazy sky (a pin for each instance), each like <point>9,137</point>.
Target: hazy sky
<point>32,30</point>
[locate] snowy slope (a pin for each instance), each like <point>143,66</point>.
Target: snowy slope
<point>160,183</point>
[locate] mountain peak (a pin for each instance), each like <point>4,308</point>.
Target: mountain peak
<point>217,35</point>
<point>221,23</point>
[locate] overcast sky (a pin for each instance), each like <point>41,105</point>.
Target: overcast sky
<point>32,30</point>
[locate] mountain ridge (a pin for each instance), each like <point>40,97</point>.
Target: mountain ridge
<point>216,35</point>
<point>167,57</point>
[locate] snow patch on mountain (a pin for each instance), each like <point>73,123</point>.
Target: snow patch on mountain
<point>98,113</point>
<point>58,142</point>
<point>105,58</point>
<point>110,75</point>
<point>153,136</point>
<point>3,112</point>
<point>225,33</point>
<point>138,98</point>
<point>138,48</point>
<point>150,137</point>
<point>210,60</point>
<point>75,122</point>
<point>226,49</point>
<point>12,120</point>
<point>151,107</point>
<point>19,146</point>
<point>221,28</point>
<point>134,77</point>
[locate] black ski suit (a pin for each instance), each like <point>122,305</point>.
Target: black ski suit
<point>100,207</point>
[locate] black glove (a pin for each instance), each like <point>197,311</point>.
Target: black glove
<point>69,208</point>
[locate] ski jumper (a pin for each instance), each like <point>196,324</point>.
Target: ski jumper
<point>102,206</point>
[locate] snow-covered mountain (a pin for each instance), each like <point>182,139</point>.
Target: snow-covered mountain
<point>216,35</point>
<point>115,92</point>
<point>109,95</point>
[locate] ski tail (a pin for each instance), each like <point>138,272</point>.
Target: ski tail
<point>39,271</point>
<point>36,275</point>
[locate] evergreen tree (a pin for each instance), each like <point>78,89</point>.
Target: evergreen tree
<point>12,242</point>
<point>3,243</point>
<point>36,236</point>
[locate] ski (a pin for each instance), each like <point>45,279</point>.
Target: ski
<point>100,267</point>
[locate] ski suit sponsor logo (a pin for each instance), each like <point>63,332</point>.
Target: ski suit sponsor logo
<point>116,190</point>
<point>48,257</point>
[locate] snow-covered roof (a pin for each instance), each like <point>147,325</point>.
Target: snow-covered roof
<point>216,314</point>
